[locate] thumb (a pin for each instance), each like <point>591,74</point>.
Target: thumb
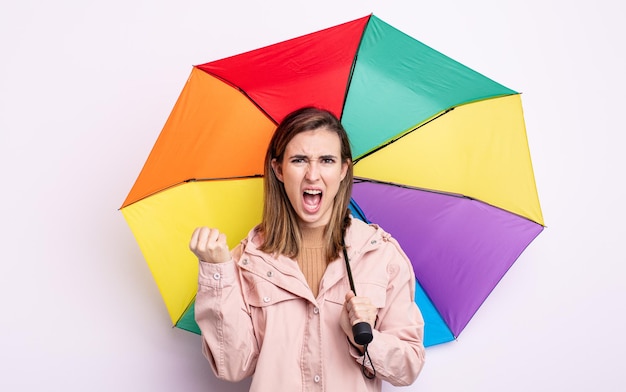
<point>349,295</point>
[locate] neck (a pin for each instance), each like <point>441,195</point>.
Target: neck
<point>312,237</point>
<point>311,259</point>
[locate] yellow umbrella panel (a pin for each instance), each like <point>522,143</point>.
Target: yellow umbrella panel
<point>162,225</point>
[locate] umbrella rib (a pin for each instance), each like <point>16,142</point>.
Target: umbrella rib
<point>223,178</point>
<point>411,130</point>
<point>452,194</point>
<point>193,180</point>
<point>356,56</point>
<point>245,94</point>
<point>401,136</point>
<point>459,195</point>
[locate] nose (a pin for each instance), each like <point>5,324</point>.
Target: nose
<point>313,170</point>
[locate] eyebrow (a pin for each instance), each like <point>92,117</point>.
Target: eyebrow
<point>325,156</point>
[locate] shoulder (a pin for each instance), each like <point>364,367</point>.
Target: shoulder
<point>359,229</point>
<point>370,239</point>
<point>360,233</point>
<point>249,244</point>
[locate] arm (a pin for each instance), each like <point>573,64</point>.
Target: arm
<point>228,340</point>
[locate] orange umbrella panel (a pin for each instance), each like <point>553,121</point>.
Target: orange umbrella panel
<point>213,132</point>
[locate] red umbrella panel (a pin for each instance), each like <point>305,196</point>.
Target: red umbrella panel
<point>440,152</point>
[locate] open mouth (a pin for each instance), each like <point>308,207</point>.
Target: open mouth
<point>312,199</point>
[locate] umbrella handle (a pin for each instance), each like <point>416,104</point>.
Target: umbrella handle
<point>362,332</point>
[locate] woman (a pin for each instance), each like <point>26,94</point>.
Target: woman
<point>279,307</point>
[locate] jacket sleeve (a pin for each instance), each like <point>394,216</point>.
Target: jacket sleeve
<point>228,340</point>
<point>397,350</point>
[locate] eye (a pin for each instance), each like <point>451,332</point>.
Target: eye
<point>328,160</point>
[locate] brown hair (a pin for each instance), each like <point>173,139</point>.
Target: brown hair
<point>279,225</point>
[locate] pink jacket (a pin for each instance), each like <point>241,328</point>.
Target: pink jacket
<point>259,318</point>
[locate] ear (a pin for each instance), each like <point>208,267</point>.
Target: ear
<point>278,170</point>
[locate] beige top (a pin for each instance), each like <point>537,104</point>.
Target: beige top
<point>311,259</point>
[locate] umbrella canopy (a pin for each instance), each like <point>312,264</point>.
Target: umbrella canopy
<point>440,151</point>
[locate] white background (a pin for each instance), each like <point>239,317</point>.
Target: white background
<point>86,86</point>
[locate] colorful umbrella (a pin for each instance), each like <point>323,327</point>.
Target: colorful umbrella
<point>440,151</point>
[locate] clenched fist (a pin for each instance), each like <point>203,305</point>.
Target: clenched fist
<point>355,310</point>
<point>209,245</point>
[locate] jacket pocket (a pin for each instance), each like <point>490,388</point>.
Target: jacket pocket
<point>376,292</point>
<point>264,294</point>
<point>269,307</point>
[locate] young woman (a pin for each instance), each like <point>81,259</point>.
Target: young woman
<point>279,308</point>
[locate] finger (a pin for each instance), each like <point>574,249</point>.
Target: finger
<point>357,314</point>
<point>203,236</point>
<point>348,303</point>
<point>212,236</point>
<point>195,238</point>
<point>361,309</point>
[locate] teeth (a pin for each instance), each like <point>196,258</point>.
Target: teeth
<point>312,192</point>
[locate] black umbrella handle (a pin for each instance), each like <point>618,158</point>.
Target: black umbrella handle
<point>362,332</point>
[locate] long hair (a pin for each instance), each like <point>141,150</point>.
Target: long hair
<point>279,225</point>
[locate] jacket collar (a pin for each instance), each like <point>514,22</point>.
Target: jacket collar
<point>284,272</point>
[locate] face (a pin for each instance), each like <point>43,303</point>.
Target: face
<point>311,171</point>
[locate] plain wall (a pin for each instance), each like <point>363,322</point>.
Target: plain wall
<point>86,86</point>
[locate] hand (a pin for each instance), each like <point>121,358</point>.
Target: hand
<point>355,310</point>
<point>209,245</point>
